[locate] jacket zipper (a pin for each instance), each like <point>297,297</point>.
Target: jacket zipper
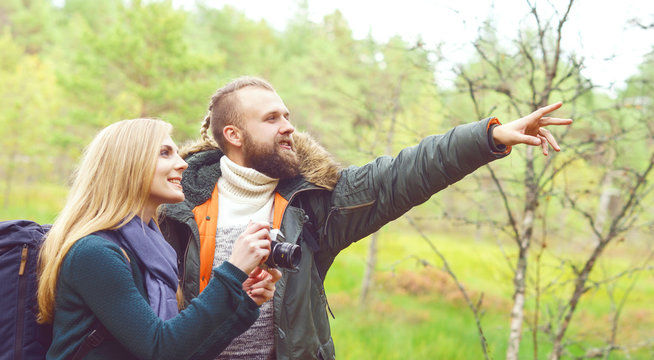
<point>22,294</point>
<point>331,211</point>
<point>322,287</point>
<point>337,209</point>
<point>23,261</point>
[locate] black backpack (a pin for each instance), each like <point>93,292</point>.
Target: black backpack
<point>21,337</point>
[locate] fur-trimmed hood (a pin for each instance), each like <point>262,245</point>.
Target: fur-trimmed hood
<point>317,165</point>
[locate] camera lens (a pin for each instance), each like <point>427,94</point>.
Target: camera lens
<point>283,254</point>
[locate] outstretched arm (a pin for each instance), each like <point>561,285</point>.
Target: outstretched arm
<point>368,197</point>
<point>531,130</point>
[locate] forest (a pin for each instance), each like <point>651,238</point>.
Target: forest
<point>530,257</point>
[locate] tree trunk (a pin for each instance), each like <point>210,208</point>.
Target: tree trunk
<point>368,277</point>
<point>520,276</point>
<point>609,192</point>
<point>519,283</point>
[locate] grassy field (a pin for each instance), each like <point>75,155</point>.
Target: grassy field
<point>415,311</point>
<point>38,202</point>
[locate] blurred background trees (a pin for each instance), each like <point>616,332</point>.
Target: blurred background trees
<point>571,230</point>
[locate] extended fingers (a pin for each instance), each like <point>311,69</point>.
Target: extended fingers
<point>546,137</point>
<point>549,108</point>
<point>543,145</point>
<point>546,120</point>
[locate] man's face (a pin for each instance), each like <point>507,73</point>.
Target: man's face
<point>267,133</point>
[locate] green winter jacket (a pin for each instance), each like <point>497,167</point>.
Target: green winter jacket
<point>329,209</point>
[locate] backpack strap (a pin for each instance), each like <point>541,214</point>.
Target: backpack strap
<point>98,335</point>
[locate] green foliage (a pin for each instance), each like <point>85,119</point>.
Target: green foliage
<point>68,70</point>
<point>28,91</point>
<point>137,65</point>
<point>241,46</point>
<point>31,23</point>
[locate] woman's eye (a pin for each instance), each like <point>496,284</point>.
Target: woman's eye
<point>164,153</point>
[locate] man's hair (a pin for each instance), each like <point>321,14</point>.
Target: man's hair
<point>224,108</point>
<point>111,186</point>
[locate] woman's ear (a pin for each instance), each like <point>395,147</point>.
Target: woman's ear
<point>233,135</point>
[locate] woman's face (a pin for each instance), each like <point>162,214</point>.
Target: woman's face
<point>166,184</point>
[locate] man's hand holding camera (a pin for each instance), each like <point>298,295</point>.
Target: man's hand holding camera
<point>252,249</point>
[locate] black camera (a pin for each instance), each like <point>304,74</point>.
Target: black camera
<point>282,254</point>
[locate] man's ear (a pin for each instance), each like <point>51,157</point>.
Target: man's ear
<point>233,135</point>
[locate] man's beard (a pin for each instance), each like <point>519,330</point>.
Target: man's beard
<point>270,160</point>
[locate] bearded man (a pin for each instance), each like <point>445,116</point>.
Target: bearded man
<point>262,170</point>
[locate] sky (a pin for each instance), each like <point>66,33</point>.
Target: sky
<point>598,29</point>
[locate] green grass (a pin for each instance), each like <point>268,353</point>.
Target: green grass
<point>37,202</point>
<point>395,324</point>
<point>416,312</point>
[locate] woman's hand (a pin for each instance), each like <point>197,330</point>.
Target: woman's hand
<point>260,285</point>
<point>252,247</point>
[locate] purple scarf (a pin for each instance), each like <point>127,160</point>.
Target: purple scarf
<point>159,264</point>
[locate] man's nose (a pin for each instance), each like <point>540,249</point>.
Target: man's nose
<point>287,127</point>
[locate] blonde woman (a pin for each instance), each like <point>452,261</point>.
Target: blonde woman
<point>105,265</point>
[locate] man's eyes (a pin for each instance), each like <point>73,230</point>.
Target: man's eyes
<point>275,117</point>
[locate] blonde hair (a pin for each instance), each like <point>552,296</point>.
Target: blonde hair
<point>111,186</point>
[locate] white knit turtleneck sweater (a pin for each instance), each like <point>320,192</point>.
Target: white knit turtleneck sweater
<point>244,194</point>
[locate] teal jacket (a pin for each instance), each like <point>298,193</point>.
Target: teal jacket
<point>96,284</point>
<point>329,208</point>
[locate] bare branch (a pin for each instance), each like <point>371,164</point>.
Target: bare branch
<point>639,23</point>
<point>507,207</point>
<point>604,240</point>
<point>446,266</point>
